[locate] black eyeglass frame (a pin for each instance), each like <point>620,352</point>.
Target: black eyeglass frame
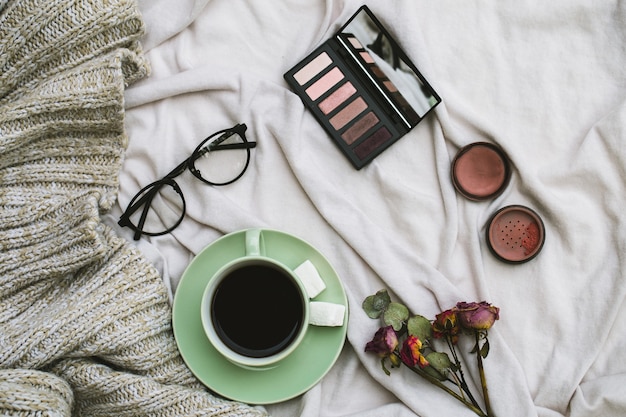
<point>145,196</point>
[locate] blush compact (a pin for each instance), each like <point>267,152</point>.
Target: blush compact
<point>515,234</point>
<point>362,88</point>
<point>480,171</point>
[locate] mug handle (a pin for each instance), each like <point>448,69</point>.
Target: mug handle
<point>254,243</point>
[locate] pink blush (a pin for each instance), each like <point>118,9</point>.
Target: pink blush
<point>480,171</point>
<point>515,234</point>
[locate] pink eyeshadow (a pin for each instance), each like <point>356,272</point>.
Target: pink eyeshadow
<point>367,57</point>
<point>334,100</point>
<point>355,42</point>
<point>348,113</point>
<point>313,68</point>
<point>319,87</point>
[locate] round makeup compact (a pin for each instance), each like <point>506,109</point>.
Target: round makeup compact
<point>480,171</point>
<point>515,234</point>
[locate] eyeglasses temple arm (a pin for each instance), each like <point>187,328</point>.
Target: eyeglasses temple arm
<point>241,145</point>
<point>142,221</point>
<point>227,146</point>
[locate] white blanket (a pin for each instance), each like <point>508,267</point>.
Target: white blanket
<point>544,80</point>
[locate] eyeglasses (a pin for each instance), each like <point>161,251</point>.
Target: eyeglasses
<point>220,159</point>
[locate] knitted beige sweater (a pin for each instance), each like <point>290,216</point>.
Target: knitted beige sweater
<point>85,324</point>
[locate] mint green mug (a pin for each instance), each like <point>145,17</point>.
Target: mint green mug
<point>255,310</point>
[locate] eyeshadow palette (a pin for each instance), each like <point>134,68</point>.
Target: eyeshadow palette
<point>362,88</point>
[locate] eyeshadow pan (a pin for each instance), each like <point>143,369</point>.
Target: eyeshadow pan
<point>334,100</point>
<point>319,87</point>
<point>372,143</point>
<point>310,70</point>
<point>357,130</point>
<point>390,86</point>
<point>367,57</point>
<point>379,73</point>
<point>355,42</point>
<point>348,113</point>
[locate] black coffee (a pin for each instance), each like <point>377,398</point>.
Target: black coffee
<point>257,310</point>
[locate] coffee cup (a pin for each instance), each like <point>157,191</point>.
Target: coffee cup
<point>255,310</point>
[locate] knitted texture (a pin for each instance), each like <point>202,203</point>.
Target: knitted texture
<point>85,322</point>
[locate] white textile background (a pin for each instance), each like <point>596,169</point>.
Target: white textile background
<point>544,80</point>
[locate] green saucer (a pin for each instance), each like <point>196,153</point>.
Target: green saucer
<point>294,375</point>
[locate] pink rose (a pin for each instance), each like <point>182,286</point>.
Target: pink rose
<point>477,316</point>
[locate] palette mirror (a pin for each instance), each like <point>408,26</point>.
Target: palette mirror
<point>362,88</point>
<point>388,67</point>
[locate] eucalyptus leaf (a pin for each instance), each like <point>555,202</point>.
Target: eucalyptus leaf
<point>395,315</point>
<point>440,361</point>
<point>376,304</point>
<point>371,311</point>
<point>420,327</point>
<point>484,351</point>
<point>435,373</point>
<point>382,300</point>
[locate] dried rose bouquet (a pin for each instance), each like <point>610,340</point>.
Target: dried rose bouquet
<point>409,340</point>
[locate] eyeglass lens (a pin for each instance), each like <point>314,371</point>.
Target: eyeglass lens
<point>155,210</point>
<point>220,159</point>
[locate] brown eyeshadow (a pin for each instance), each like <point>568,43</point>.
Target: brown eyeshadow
<point>369,145</point>
<point>357,130</point>
<point>378,72</point>
<point>390,86</point>
<point>348,113</point>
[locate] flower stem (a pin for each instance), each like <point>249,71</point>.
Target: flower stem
<point>483,380</point>
<point>463,383</point>
<point>439,384</point>
<point>457,381</point>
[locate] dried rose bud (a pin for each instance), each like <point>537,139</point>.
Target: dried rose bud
<point>477,316</point>
<point>411,354</point>
<point>446,324</point>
